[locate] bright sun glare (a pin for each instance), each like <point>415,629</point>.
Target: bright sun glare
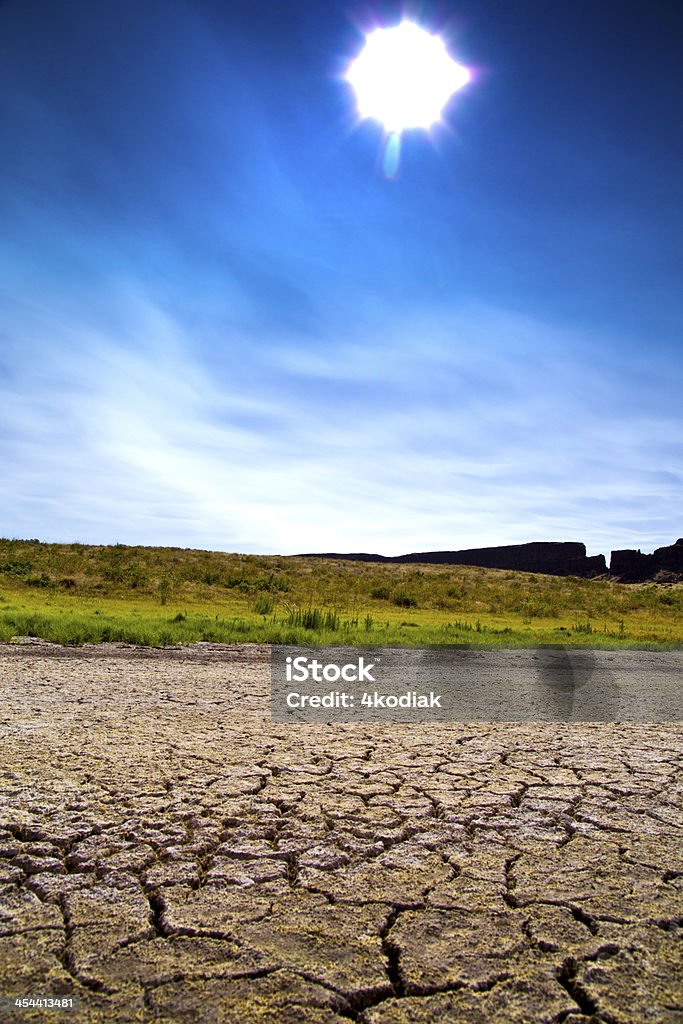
<point>404,77</point>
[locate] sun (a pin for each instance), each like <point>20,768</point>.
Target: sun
<point>404,77</point>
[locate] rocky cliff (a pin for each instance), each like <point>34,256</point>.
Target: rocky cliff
<point>631,566</point>
<point>557,558</point>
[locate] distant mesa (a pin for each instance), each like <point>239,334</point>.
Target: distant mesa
<point>556,558</point>
<point>631,566</point>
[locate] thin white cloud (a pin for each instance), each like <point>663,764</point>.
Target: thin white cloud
<point>129,437</point>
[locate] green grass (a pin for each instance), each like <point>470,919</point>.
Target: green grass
<point>76,593</point>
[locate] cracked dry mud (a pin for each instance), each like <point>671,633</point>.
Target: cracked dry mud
<point>169,854</point>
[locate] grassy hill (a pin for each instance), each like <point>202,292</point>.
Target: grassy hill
<point>78,593</point>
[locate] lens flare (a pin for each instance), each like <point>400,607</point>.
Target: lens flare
<point>404,77</point>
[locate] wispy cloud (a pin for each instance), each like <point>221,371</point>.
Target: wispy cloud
<point>490,433</point>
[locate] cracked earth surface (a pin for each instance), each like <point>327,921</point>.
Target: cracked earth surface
<point>169,854</point>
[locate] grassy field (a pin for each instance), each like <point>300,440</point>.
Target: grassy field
<point>76,593</point>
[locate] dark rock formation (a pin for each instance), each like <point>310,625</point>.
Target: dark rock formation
<point>563,558</point>
<point>557,558</point>
<point>632,566</point>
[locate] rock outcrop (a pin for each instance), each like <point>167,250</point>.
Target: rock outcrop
<point>632,566</point>
<point>557,558</point>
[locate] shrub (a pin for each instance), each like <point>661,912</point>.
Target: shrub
<point>380,593</point>
<point>39,581</point>
<point>278,583</point>
<point>263,605</point>
<point>209,578</point>
<point>404,600</point>
<point>313,618</point>
<point>16,568</point>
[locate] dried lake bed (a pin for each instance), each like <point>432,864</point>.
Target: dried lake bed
<point>168,853</point>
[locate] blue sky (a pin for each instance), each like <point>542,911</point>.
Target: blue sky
<point>222,326</point>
